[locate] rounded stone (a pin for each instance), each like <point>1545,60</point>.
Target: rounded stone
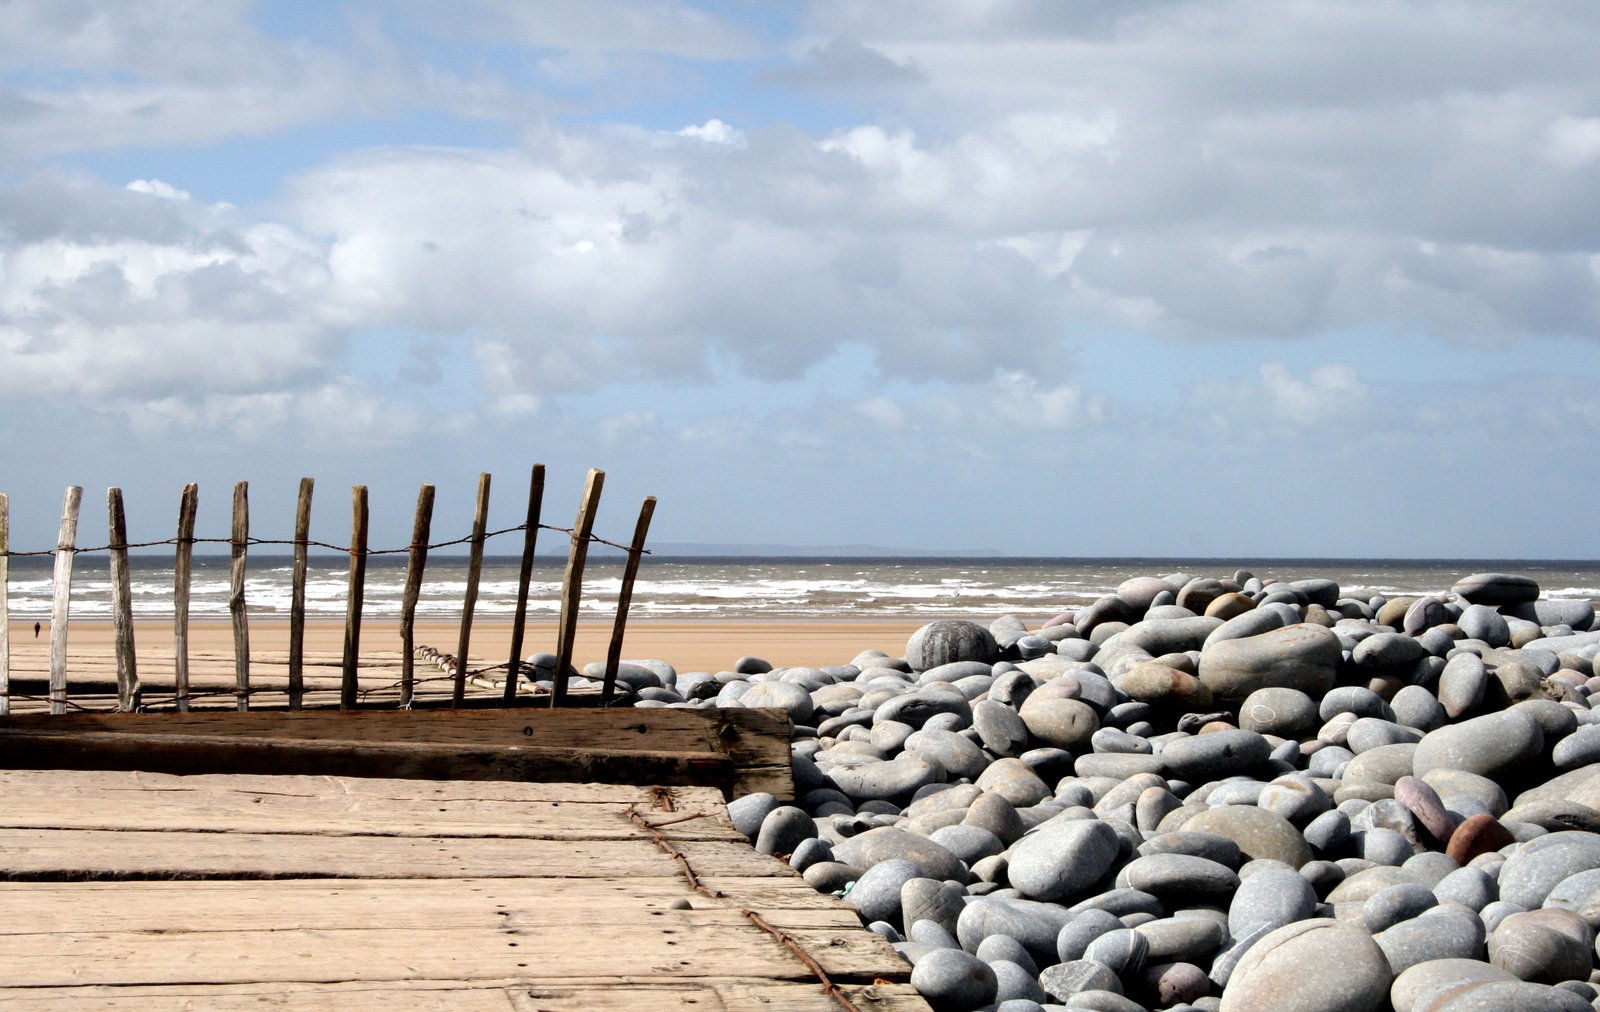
<point>1440,933</point>
<point>1122,949</point>
<point>1215,755</point>
<point>784,829</point>
<point>1273,896</point>
<point>1483,745</point>
<point>1536,867</point>
<point>1547,946</point>
<point>1060,859</point>
<point>1180,874</point>
<point>1287,713</point>
<point>893,780</point>
<point>953,979</point>
<point>1388,907</point>
<point>876,894</point>
<point>748,812</point>
<point>1064,980</point>
<point>792,698</point>
<point>886,843</point>
<point>1302,656</point>
<point>1000,728</point>
<point>1259,833</point>
<point>1310,966</point>
<point>1462,684</point>
<point>959,757</point>
<point>949,640</point>
<point>1496,589</point>
<point>1424,804</point>
<point>1059,723</point>
<point>1579,893</point>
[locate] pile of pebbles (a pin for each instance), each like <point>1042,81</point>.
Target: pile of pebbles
<point>1205,793</point>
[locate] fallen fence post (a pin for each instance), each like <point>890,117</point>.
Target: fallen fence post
<point>524,575</point>
<point>572,582</point>
<point>480,523</point>
<point>355,596</point>
<point>625,598</point>
<point>128,695</point>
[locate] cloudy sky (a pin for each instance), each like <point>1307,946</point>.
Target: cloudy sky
<point>1075,277</point>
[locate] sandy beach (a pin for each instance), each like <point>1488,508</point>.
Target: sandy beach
<point>688,644</point>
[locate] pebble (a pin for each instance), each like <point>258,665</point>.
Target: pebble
<point>1207,792</point>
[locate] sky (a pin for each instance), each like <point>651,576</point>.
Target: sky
<point>1065,277</point>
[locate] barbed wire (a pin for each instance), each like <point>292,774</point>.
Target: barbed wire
<point>571,533</point>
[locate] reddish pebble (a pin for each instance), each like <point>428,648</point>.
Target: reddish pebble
<point>1480,834</point>
<point>1423,802</point>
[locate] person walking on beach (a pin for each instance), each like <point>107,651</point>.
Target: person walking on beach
<point>36,630</point>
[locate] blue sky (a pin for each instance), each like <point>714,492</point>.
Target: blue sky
<point>1077,278</point>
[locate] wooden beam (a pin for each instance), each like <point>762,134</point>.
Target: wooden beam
<point>480,525</point>
<point>240,544</point>
<point>625,598</point>
<point>5,604</point>
<point>182,577</point>
<point>61,593</point>
<point>572,581</point>
<point>524,576</point>
<point>297,593</point>
<point>122,604</point>
<point>415,564</point>
<point>355,595</point>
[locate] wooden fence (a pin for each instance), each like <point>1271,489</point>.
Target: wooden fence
<point>129,692</point>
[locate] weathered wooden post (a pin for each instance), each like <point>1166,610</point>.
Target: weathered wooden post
<point>625,598</point>
<point>128,694</point>
<point>572,582</point>
<point>297,595</point>
<point>60,606</point>
<point>182,576</point>
<point>5,604</point>
<point>355,596</point>
<point>415,564</point>
<point>236,604</point>
<point>480,523</point>
<point>530,537</point>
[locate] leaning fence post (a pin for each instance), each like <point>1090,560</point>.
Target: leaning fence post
<point>5,604</point>
<point>415,564</point>
<point>297,595</point>
<point>480,523</point>
<point>529,537</point>
<point>128,694</point>
<point>572,582</point>
<point>182,570</point>
<point>348,685</point>
<point>61,587</point>
<point>241,628</point>
<point>625,598</point>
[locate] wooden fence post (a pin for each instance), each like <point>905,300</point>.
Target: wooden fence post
<point>5,604</point>
<point>530,536</point>
<point>236,605</point>
<point>480,524</point>
<point>625,598</point>
<point>128,694</point>
<point>415,564</point>
<point>60,606</point>
<point>354,597</point>
<point>572,582</point>
<point>297,595</point>
<point>182,576</point>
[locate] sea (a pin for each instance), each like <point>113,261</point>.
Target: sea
<point>736,588</point>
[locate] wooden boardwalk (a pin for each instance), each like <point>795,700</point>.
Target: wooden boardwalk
<point>146,891</point>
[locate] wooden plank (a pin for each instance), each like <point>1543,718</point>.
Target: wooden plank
<point>630,572</point>
<point>84,855</point>
<point>155,786</point>
<point>683,945</point>
<point>530,537</point>
<point>128,695</point>
<point>60,606</point>
<point>527,994</point>
<point>297,593</point>
<point>416,563</point>
<point>572,581</point>
<point>5,604</point>
<point>409,904</point>
<point>182,575</point>
<point>480,525</point>
<point>236,603</point>
<point>354,595</point>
